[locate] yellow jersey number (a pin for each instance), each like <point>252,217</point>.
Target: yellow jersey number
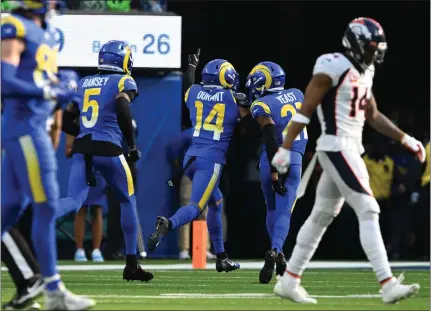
<point>284,112</point>
<point>46,63</point>
<point>93,104</point>
<point>217,112</point>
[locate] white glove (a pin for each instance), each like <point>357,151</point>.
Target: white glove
<point>281,160</point>
<point>414,146</point>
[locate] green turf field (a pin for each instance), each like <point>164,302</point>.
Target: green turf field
<point>240,290</point>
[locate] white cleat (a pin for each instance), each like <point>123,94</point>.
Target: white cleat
<point>62,299</point>
<point>393,291</point>
<point>288,287</point>
<point>184,255</point>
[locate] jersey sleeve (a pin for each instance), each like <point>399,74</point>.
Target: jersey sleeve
<point>260,109</point>
<point>332,65</point>
<point>186,96</point>
<point>12,27</point>
<point>127,83</point>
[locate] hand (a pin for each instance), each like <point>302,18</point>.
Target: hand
<point>242,100</point>
<point>414,146</point>
<point>281,160</point>
<point>414,197</point>
<point>134,154</point>
<point>277,186</point>
<point>194,58</point>
<point>61,93</point>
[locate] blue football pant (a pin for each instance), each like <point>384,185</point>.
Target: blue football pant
<point>29,175</point>
<point>205,176</point>
<point>117,175</point>
<point>279,207</point>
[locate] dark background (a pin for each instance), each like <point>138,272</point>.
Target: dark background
<point>293,34</point>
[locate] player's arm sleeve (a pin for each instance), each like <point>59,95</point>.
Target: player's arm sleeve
<point>262,112</point>
<point>124,117</point>
<point>185,112</point>
<point>329,64</point>
<point>69,124</point>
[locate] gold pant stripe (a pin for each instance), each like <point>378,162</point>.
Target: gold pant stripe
<point>33,169</point>
<point>293,206</point>
<point>130,186</point>
<point>208,191</point>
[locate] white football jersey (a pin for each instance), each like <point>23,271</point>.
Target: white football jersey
<point>342,110</point>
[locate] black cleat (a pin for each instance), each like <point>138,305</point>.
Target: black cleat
<point>280,264</point>
<point>266,272</point>
<point>23,300</point>
<point>226,265</point>
<point>162,228</point>
<point>138,274</point>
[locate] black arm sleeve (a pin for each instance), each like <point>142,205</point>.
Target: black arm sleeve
<point>124,118</point>
<point>188,81</point>
<point>69,126</point>
<point>268,135</point>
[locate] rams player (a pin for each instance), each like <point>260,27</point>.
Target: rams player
<point>30,91</point>
<point>104,117</point>
<point>273,109</point>
<point>341,90</point>
<point>214,112</point>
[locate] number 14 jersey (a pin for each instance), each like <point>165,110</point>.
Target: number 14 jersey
<point>214,114</point>
<point>342,110</point>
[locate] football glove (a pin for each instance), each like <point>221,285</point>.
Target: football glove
<point>194,58</point>
<point>242,100</point>
<point>134,154</point>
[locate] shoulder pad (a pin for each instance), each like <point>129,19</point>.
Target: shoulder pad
<point>332,65</point>
<point>12,27</point>
<point>127,83</point>
<point>260,109</point>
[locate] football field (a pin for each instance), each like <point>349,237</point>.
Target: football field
<point>176,287</point>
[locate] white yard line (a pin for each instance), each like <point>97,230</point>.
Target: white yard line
<point>227,296</point>
<point>244,266</point>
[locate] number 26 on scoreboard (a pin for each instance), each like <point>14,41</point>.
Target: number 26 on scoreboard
<point>156,44</point>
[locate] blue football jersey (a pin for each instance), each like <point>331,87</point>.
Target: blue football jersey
<point>281,107</point>
<point>38,66</point>
<point>214,114</point>
<point>98,111</point>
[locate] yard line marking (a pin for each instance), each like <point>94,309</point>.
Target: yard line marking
<point>245,266</point>
<point>228,296</point>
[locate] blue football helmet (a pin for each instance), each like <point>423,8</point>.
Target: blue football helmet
<point>265,77</point>
<point>220,72</point>
<point>364,40</point>
<point>40,7</point>
<point>116,56</point>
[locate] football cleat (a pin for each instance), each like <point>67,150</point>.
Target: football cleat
<point>280,264</point>
<point>266,272</point>
<point>162,228</point>
<point>62,299</point>
<point>23,300</point>
<point>138,274</point>
<point>393,291</point>
<point>288,287</point>
<point>226,265</point>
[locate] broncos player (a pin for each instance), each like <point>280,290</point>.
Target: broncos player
<point>30,91</point>
<point>214,112</point>
<point>342,85</point>
<point>104,118</point>
<point>273,109</point>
